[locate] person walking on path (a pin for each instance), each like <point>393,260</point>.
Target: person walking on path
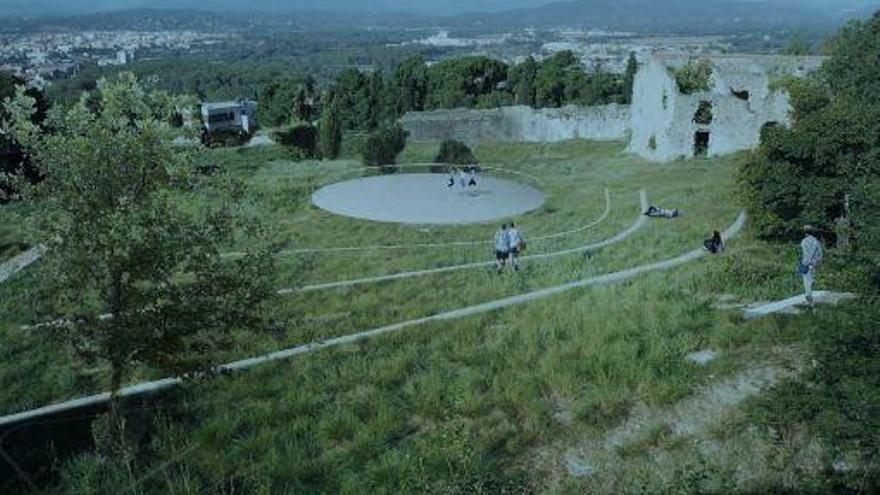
<point>811,256</point>
<point>502,248</point>
<point>517,245</point>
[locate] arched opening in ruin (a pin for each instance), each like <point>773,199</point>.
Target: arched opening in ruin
<point>704,116</point>
<point>701,143</point>
<point>742,95</point>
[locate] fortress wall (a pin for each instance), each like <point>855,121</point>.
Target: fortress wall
<point>520,124</point>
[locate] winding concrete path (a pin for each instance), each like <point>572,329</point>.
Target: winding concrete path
<point>22,261</point>
<point>639,223</point>
<point>481,242</point>
<point>160,385</point>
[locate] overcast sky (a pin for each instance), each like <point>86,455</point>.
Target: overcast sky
<point>416,6</point>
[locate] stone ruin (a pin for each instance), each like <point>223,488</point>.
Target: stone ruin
<point>742,97</point>
<point>662,124</point>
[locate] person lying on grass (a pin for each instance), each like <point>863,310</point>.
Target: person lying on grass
<point>655,212</point>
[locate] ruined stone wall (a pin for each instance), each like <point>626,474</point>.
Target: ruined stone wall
<point>520,124</point>
<point>741,98</point>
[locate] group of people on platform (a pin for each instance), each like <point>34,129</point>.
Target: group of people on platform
<point>466,177</point>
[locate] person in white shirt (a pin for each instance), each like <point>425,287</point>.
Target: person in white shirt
<point>502,248</point>
<point>472,178</point>
<point>811,256</point>
<point>516,243</point>
<point>462,179</point>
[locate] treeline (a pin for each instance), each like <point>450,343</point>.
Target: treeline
<point>367,99</point>
<point>823,170</point>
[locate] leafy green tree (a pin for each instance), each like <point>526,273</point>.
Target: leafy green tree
<point>409,86</point>
<point>304,109</point>
<point>828,160</point>
<point>522,80</point>
<point>629,77</point>
<point>693,77</point>
<point>352,91</point>
<point>13,159</point>
<point>459,82</point>
<point>281,102</point>
<point>125,238</point>
<point>377,101</point>
<point>556,79</point>
<point>330,129</point>
<point>383,146</point>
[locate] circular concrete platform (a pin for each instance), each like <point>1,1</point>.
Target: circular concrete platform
<point>426,199</point>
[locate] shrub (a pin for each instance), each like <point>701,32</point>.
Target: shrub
<point>456,153</point>
<point>383,146</point>
<point>301,139</point>
<point>693,77</point>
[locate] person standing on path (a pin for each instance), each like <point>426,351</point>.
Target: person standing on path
<point>502,248</point>
<point>517,244</point>
<point>811,256</point>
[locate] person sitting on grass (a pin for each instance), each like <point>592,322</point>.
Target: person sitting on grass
<point>502,248</point>
<point>715,244</point>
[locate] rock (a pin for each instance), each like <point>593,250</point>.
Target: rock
<point>577,467</point>
<point>703,357</point>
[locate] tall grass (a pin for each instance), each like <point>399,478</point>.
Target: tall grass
<point>476,405</point>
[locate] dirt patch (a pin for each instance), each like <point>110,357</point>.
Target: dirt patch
<point>643,435</point>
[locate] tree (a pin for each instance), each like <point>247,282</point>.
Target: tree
<point>629,77</point>
<point>455,153</point>
<point>693,77</point>
<point>826,165</point>
<point>383,146</point>
<point>282,101</point>
<point>13,160</point>
<point>409,86</point>
<point>460,82</point>
<point>376,102</point>
<point>522,80</point>
<point>125,239</point>
<point>300,138</point>
<point>303,104</point>
<point>557,78</point>
<point>330,129</point>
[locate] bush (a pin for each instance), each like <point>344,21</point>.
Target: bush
<point>455,153</point>
<point>301,139</point>
<point>383,146</point>
<point>225,138</point>
<point>693,77</point>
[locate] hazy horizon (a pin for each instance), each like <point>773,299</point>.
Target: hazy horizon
<point>424,7</point>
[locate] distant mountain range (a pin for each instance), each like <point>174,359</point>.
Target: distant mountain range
<point>677,15</point>
<point>654,16</point>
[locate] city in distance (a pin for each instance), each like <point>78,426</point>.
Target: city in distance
<point>454,247</point>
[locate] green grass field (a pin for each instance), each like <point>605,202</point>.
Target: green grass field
<point>495,403</point>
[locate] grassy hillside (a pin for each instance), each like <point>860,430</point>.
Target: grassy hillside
<point>566,394</point>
